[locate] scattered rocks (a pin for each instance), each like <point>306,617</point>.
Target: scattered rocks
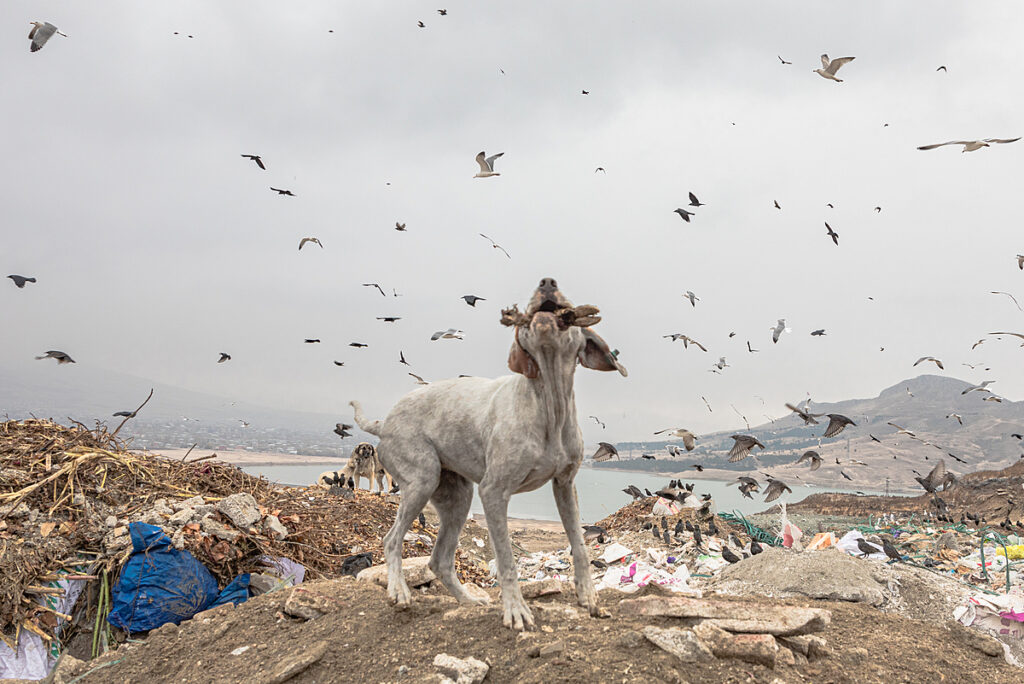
<point>210,525</point>
<point>477,592</point>
<point>682,643</point>
<point>544,587</point>
<point>68,669</point>
<point>414,570</point>
<point>752,648</point>
<point>294,664</point>
<point>306,604</point>
<point>463,671</point>
<point>806,644</point>
<point>541,650</point>
<point>187,503</point>
<point>273,526</point>
<point>733,616</point>
<point>241,509</point>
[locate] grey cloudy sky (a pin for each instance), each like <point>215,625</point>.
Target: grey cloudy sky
<point>157,246</point>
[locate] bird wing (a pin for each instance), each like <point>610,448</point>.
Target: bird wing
<point>437,335</point>
<point>485,165</point>
<point>740,450</point>
<point>937,473</point>
<point>303,241</point>
<point>836,425</point>
<point>490,160</point>
<point>951,142</point>
<point>833,65</point>
<point>1020,335</point>
<point>1001,140</point>
<point>689,441</point>
<point>774,491</point>
<point>41,34</point>
<point>824,62</point>
<point>1011,297</point>
<point>699,345</point>
<point>693,199</point>
<point>259,162</point>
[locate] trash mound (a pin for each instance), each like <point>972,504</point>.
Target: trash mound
<point>69,496</point>
<point>633,516</point>
<point>992,494</point>
<point>353,634</point>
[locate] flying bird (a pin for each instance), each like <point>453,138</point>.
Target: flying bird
<point>419,380</point>
<point>19,281</point>
<point>836,424</point>
<point>601,169</point>
<point>339,363</point>
<point>421,24</point>
<point>832,234</point>
<point>694,202</point>
<point>443,12</point>
<point>685,215</point>
<point>721,364</point>
<point>1020,335</point>
<point>309,239</point>
<point>782,60</point>
<point>224,357</point>
<point>473,299</point>
<point>808,418</point>
<point>971,145</point>
<point>687,341</point>
<point>813,457</point>
<point>598,421</point>
<point>778,329</point>
<point>820,332</point>
<point>750,349</point>
<point>486,165</point>
<point>938,477</point>
<point>932,359</point>
<point>1011,297</point>
<point>382,294</point>
<point>649,457</point>
<point>342,430</point>
<point>400,227</point>
<point>942,68</point>
<point>40,33</point>
<point>689,439</point>
<point>389,319</point>
<point>279,191</point>
<point>878,210</point>
<point>605,452</point>
<point>310,340</point>
<point>60,356</point>
<point>1020,261</point>
<point>449,334</point>
<point>777,204</point>
<point>401,358</point>
<point>495,245</point>
<point>357,345</point>
<point>829,67</point>
<point>742,444</point>
<point>584,92</point>
<point>692,297</point>
<point>706,403</point>
<point>125,414</point>
<point>775,489</point>
<point>959,418</point>
<point>979,388</point>
<point>256,158</point>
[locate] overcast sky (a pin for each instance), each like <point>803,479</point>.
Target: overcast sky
<point>156,246</point>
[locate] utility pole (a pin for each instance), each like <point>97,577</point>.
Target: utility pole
<point>887,486</point>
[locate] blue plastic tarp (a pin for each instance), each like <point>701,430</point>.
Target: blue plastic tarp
<point>160,584</point>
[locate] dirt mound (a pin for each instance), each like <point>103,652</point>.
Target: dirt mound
<point>993,494</point>
<point>359,637</point>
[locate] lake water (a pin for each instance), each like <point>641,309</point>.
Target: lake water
<point>599,491</point>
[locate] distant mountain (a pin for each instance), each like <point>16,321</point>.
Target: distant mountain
<point>88,394</point>
<point>920,405</point>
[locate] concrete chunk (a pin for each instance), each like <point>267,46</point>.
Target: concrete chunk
<point>733,616</point>
<point>682,643</point>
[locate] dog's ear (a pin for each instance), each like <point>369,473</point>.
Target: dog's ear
<point>594,354</point>
<point>519,361</point>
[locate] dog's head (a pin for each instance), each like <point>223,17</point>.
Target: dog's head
<point>554,333</point>
<point>363,452</point>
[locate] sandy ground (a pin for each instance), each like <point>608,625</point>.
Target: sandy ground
<point>252,458</point>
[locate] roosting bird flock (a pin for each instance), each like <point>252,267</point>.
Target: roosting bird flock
<point>744,445</point>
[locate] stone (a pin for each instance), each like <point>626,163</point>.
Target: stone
<point>215,612</point>
<point>807,644</point>
<point>761,649</point>
<point>294,664</point>
<point>477,592</point>
<point>682,643</point>
<point>462,670</point>
<point>544,587</point>
<point>240,650</point>
<point>273,526</point>
<point>111,521</point>
<point>67,669</point>
<point>414,570</point>
<point>734,616</point>
<point>541,650</point>
<point>858,653</point>
<point>306,604</point>
<point>985,643</point>
<point>555,611</point>
<point>12,511</point>
<point>630,640</point>
<point>785,657</point>
<point>182,517</point>
<point>241,509</point>
<point>214,527</point>
<point>187,503</point>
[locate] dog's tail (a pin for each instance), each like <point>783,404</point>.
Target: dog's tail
<point>373,427</point>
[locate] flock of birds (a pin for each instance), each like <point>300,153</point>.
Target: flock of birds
<point>743,444</point>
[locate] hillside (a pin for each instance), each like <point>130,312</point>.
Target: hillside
<point>983,440</point>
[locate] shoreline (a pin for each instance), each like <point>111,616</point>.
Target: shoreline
<point>251,458</point>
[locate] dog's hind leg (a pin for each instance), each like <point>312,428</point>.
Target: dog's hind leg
<point>568,511</point>
<point>423,472</point>
<point>452,499</point>
<point>515,613</point>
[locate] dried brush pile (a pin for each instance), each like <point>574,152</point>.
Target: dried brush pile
<point>65,492</point>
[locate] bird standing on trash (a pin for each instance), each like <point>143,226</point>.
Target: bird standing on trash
<point>890,550</point>
<point>866,549</point>
<point>755,548</point>
<point>728,555</point>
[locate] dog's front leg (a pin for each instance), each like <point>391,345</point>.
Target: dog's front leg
<point>494,497</point>
<point>569,512</point>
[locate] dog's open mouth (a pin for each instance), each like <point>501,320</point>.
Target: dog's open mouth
<point>549,305</point>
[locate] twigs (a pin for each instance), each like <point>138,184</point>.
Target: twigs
<point>131,415</point>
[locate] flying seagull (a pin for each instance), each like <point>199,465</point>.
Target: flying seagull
<point>495,245</point>
<point>1020,261</point>
<point>19,281</point>
<point>692,297</point>
<point>836,424</point>
<point>778,329</point>
<point>751,349</point>
<point>808,418</point>
<point>932,359</point>
<point>813,457</point>
<point>339,363</point>
<point>829,67</point>
<point>40,33</point>
<point>256,158</point>
<point>449,334</point>
<point>1011,297</point>
<point>601,169</point>
<point>419,380</point>
<point>598,421</point>
<point>357,345</point>
<point>60,356</point>
<point>401,358</point>
<point>382,294</point>
<point>782,60</point>
<point>694,202</point>
<point>389,319</point>
<point>742,446</point>
<point>979,388</point>
<point>832,234</point>
<point>310,239</point>
<point>689,439</point>
<point>687,341</point>
<point>486,165</point>
<point>942,68</point>
<point>971,145</point>
<point>279,191</point>
<point>605,452</point>
<point>224,357</point>
<point>685,215</point>
<point>473,299</point>
<point>959,418</point>
<point>1020,335</point>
